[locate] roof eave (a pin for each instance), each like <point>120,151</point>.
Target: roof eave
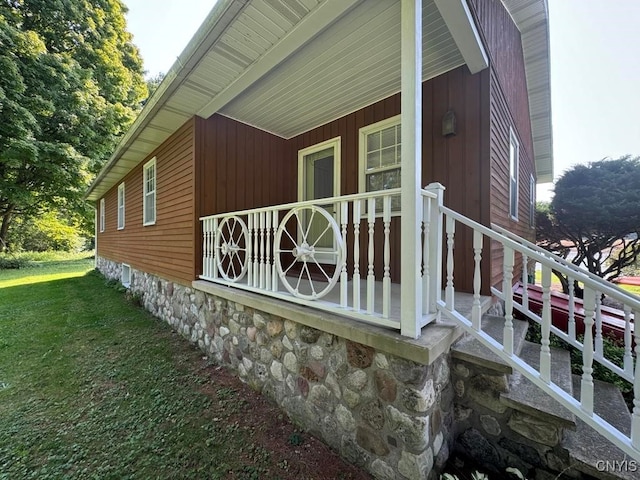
<point>221,15</point>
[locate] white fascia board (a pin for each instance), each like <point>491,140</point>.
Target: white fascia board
<point>221,15</point>
<point>305,30</point>
<point>458,18</point>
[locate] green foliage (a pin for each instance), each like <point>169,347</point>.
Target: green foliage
<point>596,211</point>
<point>71,84</point>
<point>21,260</point>
<point>50,231</point>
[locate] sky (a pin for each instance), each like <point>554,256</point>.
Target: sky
<point>595,70</point>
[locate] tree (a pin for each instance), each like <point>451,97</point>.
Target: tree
<point>595,212</point>
<point>71,85</point>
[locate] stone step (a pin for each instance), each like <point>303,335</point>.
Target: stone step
<point>525,396</point>
<point>471,350</point>
<point>589,451</point>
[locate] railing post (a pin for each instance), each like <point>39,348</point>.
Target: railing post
<point>411,171</point>
<point>586,388</point>
<point>435,247</point>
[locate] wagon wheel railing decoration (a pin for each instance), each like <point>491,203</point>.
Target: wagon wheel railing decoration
<point>232,239</point>
<point>306,252</point>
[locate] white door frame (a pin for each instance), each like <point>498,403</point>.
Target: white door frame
<point>336,144</point>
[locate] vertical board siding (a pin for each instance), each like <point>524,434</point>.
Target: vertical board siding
<point>166,248</point>
<point>501,121</point>
<point>504,45</point>
<point>243,167</point>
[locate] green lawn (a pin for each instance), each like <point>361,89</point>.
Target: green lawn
<point>92,386</point>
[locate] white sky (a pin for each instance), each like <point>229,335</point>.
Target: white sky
<point>595,69</point>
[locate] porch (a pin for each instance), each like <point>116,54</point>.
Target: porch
<point>336,257</point>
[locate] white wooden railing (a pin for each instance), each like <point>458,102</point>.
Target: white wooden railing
<point>323,253</point>
<point>591,345</point>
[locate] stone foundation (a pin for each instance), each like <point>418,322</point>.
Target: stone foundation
<point>389,415</point>
<point>497,436</point>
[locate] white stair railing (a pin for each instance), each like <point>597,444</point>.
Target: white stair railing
<point>513,248</point>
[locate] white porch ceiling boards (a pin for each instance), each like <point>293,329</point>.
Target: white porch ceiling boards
<point>351,64</point>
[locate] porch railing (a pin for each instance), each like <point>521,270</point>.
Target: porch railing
<point>333,254</point>
<point>591,343</point>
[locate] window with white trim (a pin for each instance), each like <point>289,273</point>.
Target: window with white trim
<point>102,215</point>
<point>514,160</point>
<point>532,201</point>
<point>121,206</point>
<point>380,157</point>
<point>149,193</point>
<point>125,276</point>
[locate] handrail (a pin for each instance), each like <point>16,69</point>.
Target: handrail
<point>320,201</point>
<point>577,270</point>
<point>600,285</point>
<point>591,346</point>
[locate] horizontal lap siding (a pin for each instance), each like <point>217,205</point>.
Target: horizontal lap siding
<point>166,248</point>
<point>509,106</point>
<point>500,124</point>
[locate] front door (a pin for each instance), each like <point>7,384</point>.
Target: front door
<point>319,177</point>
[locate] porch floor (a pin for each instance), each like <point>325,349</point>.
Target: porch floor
<point>463,301</point>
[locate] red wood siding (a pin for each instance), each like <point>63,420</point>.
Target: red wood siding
<point>243,167</point>
<point>504,45</point>
<point>501,121</point>
<point>166,248</point>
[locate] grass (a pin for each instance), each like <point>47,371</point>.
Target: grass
<point>92,386</point>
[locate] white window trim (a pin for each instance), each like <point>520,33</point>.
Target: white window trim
<point>125,275</point>
<point>333,142</point>
<point>362,151</point>
<point>121,206</point>
<point>514,171</point>
<point>102,215</point>
<point>532,201</point>
<point>145,194</point>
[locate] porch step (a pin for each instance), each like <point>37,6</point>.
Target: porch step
<point>525,396</point>
<point>471,350</point>
<point>588,449</point>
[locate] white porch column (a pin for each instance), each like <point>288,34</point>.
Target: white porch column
<point>411,171</point>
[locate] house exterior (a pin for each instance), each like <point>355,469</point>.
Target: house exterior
<point>283,113</point>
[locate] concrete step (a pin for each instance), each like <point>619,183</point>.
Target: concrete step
<point>589,451</point>
<point>471,350</point>
<point>525,396</point>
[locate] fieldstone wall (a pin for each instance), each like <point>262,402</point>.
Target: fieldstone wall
<point>388,415</point>
<point>497,436</point>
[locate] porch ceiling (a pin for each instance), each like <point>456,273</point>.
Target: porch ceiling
<point>284,66</point>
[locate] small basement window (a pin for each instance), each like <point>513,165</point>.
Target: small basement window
<point>125,277</point>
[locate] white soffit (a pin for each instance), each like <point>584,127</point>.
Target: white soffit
<point>532,19</point>
<point>353,63</point>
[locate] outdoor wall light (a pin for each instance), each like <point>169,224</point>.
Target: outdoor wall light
<point>449,124</point>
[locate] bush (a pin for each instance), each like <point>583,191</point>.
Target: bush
<point>46,232</point>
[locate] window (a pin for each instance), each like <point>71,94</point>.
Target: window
<point>532,202</point>
<point>380,158</point>
<point>125,276</point>
<point>121,206</point>
<point>102,219</point>
<point>514,159</point>
<point>149,193</point>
